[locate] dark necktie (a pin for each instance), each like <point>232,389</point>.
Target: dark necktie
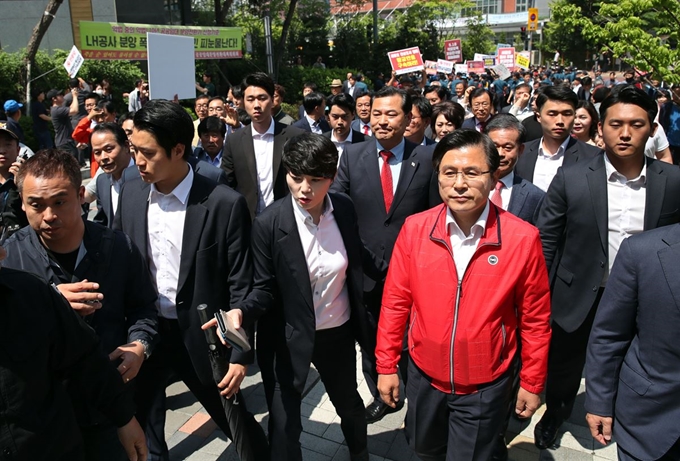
<point>386,179</point>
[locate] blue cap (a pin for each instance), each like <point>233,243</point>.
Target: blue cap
<point>12,106</point>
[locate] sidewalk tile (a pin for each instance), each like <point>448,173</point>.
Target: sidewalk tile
<point>200,425</point>
<point>318,444</point>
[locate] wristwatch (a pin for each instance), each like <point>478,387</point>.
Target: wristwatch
<point>145,345</point>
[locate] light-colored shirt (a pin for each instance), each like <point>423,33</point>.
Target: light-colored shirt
<point>656,143</point>
<point>165,222</point>
<point>547,165</point>
<point>115,186</point>
<point>327,264</point>
<point>362,130</point>
<point>394,162</point>
<point>217,161</point>
<point>314,125</point>
<point>263,145</point>
<point>626,208</point>
<point>521,114</point>
<point>464,246</point>
<point>506,190</point>
<point>340,145</point>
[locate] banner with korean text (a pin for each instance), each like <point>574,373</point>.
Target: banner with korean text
<point>453,51</point>
<point>506,56</point>
<point>112,41</point>
<point>406,60</point>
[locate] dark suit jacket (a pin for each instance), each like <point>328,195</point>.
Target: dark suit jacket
<point>215,268</point>
<point>238,162</point>
<point>303,124</point>
<point>359,177</point>
<point>632,366</point>
<point>533,127</point>
<point>574,230</point>
<point>575,151</point>
<point>525,200</point>
<point>356,136</point>
<point>282,291</point>
<point>471,123</point>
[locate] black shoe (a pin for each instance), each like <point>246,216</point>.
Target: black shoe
<point>378,409</point>
<point>545,432</point>
<point>363,456</point>
<point>500,451</point>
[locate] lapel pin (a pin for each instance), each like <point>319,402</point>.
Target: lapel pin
<point>413,163</point>
<point>493,260</point>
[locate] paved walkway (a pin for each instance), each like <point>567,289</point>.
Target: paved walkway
<point>193,436</point>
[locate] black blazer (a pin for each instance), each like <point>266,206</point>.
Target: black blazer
<point>359,177</point>
<point>525,199</point>
<point>238,162</point>
<point>215,268</point>
<point>282,290</point>
<point>533,127</point>
<point>357,137</point>
<point>303,124</point>
<point>574,230</point>
<point>471,123</point>
<point>575,150</point>
<point>632,363</point>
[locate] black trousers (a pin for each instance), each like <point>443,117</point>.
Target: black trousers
<point>101,443</point>
<point>335,359</point>
<point>451,427</point>
<point>171,357</point>
<point>566,360</point>
<point>373,301</point>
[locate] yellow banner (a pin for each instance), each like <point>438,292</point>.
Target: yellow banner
<point>112,40</point>
<point>521,61</point>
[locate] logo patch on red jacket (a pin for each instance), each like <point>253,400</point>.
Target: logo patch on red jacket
<point>493,260</point>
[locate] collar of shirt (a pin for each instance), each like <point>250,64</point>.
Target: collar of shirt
<point>270,130</point>
<point>181,191</point>
<point>217,161</point>
<point>312,123</point>
<point>558,154</point>
<point>477,229</point>
<point>303,216</point>
<point>397,151</point>
<point>615,177</point>
<point>508,180</point>
<point>348,139</point>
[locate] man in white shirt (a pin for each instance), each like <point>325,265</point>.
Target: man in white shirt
<point>590,208</point>
<point>362,123</point>
<point>314,119</point>
<point>520,107</point>
<point>252,155</point>
<point>340,115</point>
<point>556,112</point>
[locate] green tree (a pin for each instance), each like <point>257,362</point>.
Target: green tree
<point>479,37</point>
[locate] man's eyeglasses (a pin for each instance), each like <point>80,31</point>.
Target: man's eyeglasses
<point>450,177</point>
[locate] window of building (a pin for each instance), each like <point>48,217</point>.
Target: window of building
<point>521,5</point>
<point>173,12</point>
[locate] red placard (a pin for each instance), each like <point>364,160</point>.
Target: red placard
<point>406,60</point>
<point>453,50</point>
<point>506,56</point>
<point>475,66</point>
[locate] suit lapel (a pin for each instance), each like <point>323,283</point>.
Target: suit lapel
<point>571,152</point>
<point>409,166</point>
<point>369,158</point>
<point>106,198</point>
<point>597,184</point>
<point>279,141</point>
<point>654,195</point>
<point>138,205</point>
<point>669,258</point>
<point>291,248</point>
<point>531,156</point>
<point>194,221</point>
<point>518,196</point>
<point>245,142</point>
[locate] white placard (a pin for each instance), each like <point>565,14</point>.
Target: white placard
<point>73,62</point>
<point>501,71</point>
<point>172,66</point>
<point>444,66</point>
<point>461,68</point>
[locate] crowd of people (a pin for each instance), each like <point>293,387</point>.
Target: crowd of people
<point>476,237</point>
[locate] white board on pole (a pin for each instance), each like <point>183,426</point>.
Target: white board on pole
<point>171,66</point>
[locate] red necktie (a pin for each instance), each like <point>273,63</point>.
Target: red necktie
<point>482,125</point>
<point>496,198</point>
<point>386,179</point>
<point>366,130</point>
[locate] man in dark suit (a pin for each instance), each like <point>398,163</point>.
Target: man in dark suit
<point>252,155</point>
<point>632,366</point>
<point>481,104</point>
<point>421,116</point>
<point>512,192</point>
<point>195,235</point>
<point>590,208</point>
<point>542,157</point>
<point>340,115</point>
<point>362,123</point>
<point>314,120</point>
<point>388,179</point>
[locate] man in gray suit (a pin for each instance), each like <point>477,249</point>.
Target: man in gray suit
<point>590,208</point>
<point>633,361</point>
<point>512,192</point>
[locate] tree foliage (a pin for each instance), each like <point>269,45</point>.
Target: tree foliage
<point>479,37</point>
<point>642,33</point>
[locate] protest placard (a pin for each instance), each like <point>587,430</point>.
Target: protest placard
<point>406,60</point>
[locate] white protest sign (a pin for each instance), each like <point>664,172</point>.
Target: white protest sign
<point>73,62</point>
<point>172,66</point>
<point>501,71</point>
<point>461,68</point>
<point>444,66</point>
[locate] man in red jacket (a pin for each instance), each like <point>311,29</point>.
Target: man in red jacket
<point>471,280</point>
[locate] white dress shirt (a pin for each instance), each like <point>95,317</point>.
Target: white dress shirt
<point>327,265</point>
<point>263,144</point>
<point>547,165</point>
<point>340,145</point>
<point>520,113</point>
<point>626,208</point>
<point>394,162</point>
<point>506,190</point>
<point>314,125</point>
<point>165,222</point>
<point>464,246</point>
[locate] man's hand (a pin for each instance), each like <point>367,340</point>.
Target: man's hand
<point>523,100</point>
<point>388,386</point>
<point>131,436</point>
<point>600,427</point>
<point>527,403</point>
<point>14,168</point>
<point>235,315</point>
<point>133,357</point>
<point>82,296</point>
<point>231,117</point>
<point>231,383</point>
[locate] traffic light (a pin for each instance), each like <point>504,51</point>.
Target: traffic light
<point>523,32</point>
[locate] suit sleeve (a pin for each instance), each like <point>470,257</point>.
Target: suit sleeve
<point>552,218</point>
<point>613,330</point>
<point>260,299</point>
<point>118,217</point>
<point>228,163</point>
<point>532,299</point>
<point>341,183</point>
<point>396,306</point>
<point>239,278</point>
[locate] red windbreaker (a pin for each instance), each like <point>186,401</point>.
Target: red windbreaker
<point>464,333</point>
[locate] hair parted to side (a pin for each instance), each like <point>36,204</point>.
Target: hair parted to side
<point>507,122</point>
<point>260,80</point>
<point>115,129</point>
<point>461,139</point>
<point>168,123</point>
<point>50,163</point>
<point>629,94</point>
<point>310,154</point>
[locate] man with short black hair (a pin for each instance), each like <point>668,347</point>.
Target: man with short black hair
<point>207,87</point>
<point>279,115</point>
<point>521,107</point>
<point>40,117</point>
<point>61,120</point>
<point>340,115</point>
<point>421,115</point>
<point>211,130</point>
<point>314,120</point>
<point>435,94</point>
<point>481,104</point>
<point>362,123</point>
